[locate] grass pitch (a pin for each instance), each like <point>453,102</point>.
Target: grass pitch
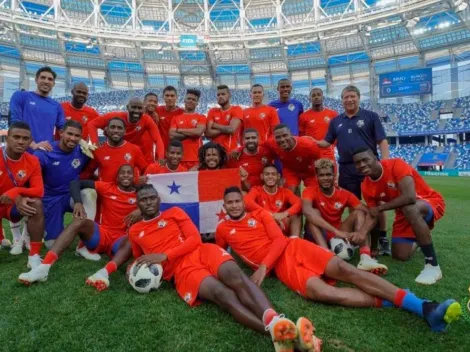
<point>63,314</point>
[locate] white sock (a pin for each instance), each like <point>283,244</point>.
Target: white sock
<point>16,230</point>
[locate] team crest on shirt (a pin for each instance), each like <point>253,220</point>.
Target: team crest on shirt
<point>299,159</point>
<point>84,119</point>
<point>338,205</point>
<point>339,126</point>
<point>322,204</point>
<point>264,161</point>
<point>251,222</point>
<point>127,157</point>
<point>187,297</point>
<point>360,123</point>
<point>161,224</point>
<point>278,203</point>
<point>391,185</point>
<point>194,122</point>
<point>138,128</point>
<point>21,174</point>
<point>132,200</point>
<point>217,118</point>
<point>262,115</point>
<point>76,163</point>
<point>291,107</point>
<point>181,122</point>
<point>326,119</point>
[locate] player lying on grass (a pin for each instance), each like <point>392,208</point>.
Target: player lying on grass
<point>207,272</point>
<point>302,266</point>
<point>393,184</point>
<point>21,187</point>
<point>282,203</point>
<point>323,206</point>
<point>118,211</point>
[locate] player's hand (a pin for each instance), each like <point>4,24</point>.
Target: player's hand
<point>5,199</point>
<point>374,212</point>
<point>243,174</point>
<point>342,234</point>
<point>235,154</point>
<point>23,207</point>
<point>357,237</point>
<point>150,259</point>
<point>44,145</point>
<point>79,211</point>
<point>208,236</point>
<point>87,148</point>
<point>133,217</point>
<point>142,180</point>
<point>280,216</point>
<point>259,275</point>
<point>162,162</point>
<point>194,168</point>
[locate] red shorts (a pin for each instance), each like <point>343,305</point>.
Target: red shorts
<point>195,267</point>
<point>293,178</point>
<point>189,164</point>
<point>401,227</point>
<point>6,212</point>
<point>104,241</point>
<point>301,261</point>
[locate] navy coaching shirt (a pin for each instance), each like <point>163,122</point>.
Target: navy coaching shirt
<point>362,130</point>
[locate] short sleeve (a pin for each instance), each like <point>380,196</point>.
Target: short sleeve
<point>237,113</point>
<point>308,194</point>
<point>202,120</point>
<point>400,169</point>
<point>331,134</point>
<point>352,201</point>
<point>102,187</point>
<point>210,115</point>
<point>370,201</point>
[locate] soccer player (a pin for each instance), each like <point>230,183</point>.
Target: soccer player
<point>150,105</point>
<point>356,128</point>
<point>224,123</point>
<point>21,187</point>
<point>302,265</point>
<point>205,271</point>
<point>323,207</point>
<point>167,112</point>
<point>59,167</point>
<point>281,202</point>
<point>189,128</point>
<point>118,211</point>
<point>297,156</point>
<point>261,117</point>
<point>288,109</point>
<point>137,124</point>
<point>394,185</point>
<point>174,155</point>
<point>212,156</point>
<point>77,110</point>
<point>114,153</point>
<point>251,159</point>
<point>315,121</point>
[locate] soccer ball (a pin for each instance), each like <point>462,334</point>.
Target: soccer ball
<point>145,278</point>
<point>341,248</point>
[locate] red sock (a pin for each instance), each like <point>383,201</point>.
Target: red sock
<point>35,248</point>
<point>378,302</point>
<point>399,296</point>
<point>268,316</point>
<point>80,244</point>
<point>50,258</point>
<point>2,237</point>
<point>111,267</point>
<point>364,250</point>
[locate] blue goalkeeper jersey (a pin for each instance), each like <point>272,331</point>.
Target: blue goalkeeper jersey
<point>289,113</point>
<point>60,168</point>
<point>43,114</point>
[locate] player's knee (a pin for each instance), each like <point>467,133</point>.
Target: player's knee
<point>411,212</point>
<point>223,296</point>
<point>37,205</point>
<point>234,276</point>
<point>401,255</point>
<point>346,270</point>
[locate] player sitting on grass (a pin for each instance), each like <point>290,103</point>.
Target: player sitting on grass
<point>21,187</point>
<point>393,184</point>
<point>173,157</point>
<point>118,211</point>
<point>281,202</point>
<point>212,156</point>
<point>323,206</point>
<point>302,265</point>
<point>206,271</point>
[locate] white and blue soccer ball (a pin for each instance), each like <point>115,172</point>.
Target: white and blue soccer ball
<point>145,278</point>
<point>342,248</point>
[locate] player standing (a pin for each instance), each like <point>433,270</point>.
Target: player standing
<point>189,128</point>
<point>206,271</point>
<point>281,202</point>
<point>167,112</point>
<point>174,155</point>
<point>259,116</point>
<point>288,109</point>
<point>394,185</point>
<point>137,124</point>
<point>21,187</point>
<point>150,106</point>
<point>118,202</point>
<point>224,123</point>
<point>300,265</point>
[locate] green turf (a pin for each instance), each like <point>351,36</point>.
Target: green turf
<point>63,314</point>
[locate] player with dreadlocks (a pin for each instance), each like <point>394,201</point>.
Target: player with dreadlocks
<point>212,156</point>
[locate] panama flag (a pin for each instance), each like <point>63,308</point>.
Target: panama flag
<point>199,193</point>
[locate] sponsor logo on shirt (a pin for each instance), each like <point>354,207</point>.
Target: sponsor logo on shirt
<point>21,174</point>
<point>107,157</point>
<point>360,123</point>
<point>113,197</point>
<point>291,107</point>
<point>68,117</point>
<point>141,234</point>
<point>161,224</point>
<point>391,185</point>
<point>127,157</point>
<point>32,103</point>
<point>338,205</point>
<point>251,222</point>
<point>339,126</point>
<point>132,200</point>
<point>262,115</point>
<point>232,232</point>
<point>278,203</point>
<point>138,128</point>
<point>217,118</point>
<point>382,195</point>
<point>76,163</point>
<point>181,122</point>
<point>55,163</point>
<point>312,121</point>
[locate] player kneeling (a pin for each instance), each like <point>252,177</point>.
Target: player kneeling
<point>282,203</point>
<point>118,211</point>
<point>207,272</point>
<point>302,266</point>
<point>323,206</point>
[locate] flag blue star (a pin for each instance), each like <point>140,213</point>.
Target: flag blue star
<point>174,188</point>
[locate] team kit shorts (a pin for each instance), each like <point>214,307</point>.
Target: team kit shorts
<point>104,240</point>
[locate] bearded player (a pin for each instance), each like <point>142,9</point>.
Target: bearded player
<point>302,266</point>
<point>21,187</point>
<point>281,202</point>
<point>394,185</point>
<point>324,205</point>
<point>205,271</point>
<point>118,211</point>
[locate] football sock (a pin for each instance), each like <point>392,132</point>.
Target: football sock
<point>111,267</point>
<point>364,250</point>
<point>409,302</point>
<point>268,316</point>
<point>2,237</point>
<point>80,244</point>
<point>383,234</point>
<point>429,254</point>
<point>382,303</point>
<point>16,230</point>
<point>35,248</point>
<point>50,258</point>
